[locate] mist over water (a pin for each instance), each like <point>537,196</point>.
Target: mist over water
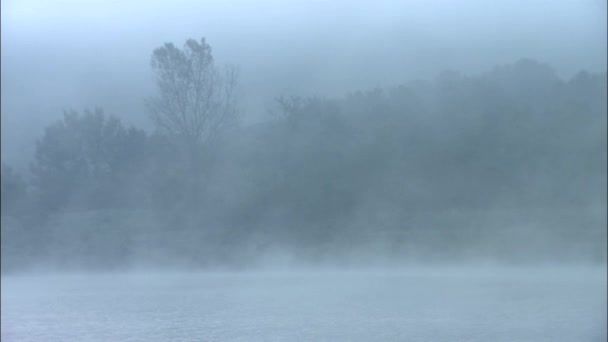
<point>304,171</point>
<point>413,304</point>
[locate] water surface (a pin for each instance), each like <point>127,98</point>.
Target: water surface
<point>421,304</point>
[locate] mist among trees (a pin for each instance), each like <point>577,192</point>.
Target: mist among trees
<point>508,165</point>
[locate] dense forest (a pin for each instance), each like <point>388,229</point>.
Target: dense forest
<point>503,166</point>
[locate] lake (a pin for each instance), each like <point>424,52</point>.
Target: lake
<point>409,304</point>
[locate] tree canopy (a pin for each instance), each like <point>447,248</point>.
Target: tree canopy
<point>195,99</point>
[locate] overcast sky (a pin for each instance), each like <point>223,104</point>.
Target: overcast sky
<point>77,53</point>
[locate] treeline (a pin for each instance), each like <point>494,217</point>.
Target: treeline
<point>447,169</point>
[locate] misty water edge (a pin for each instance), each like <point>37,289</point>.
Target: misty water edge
<point>407,304</point>
<point>360,171</point>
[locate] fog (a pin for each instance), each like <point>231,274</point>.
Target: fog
<point>415,305</point>
<point>71,54</point>
<point>304,170</point>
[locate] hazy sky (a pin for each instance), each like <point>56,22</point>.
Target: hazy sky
<point>76,53</point>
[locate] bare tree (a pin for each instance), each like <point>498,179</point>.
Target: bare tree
<point>195,99</point>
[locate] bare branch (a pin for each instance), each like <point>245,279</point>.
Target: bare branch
<point>194,101</point>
